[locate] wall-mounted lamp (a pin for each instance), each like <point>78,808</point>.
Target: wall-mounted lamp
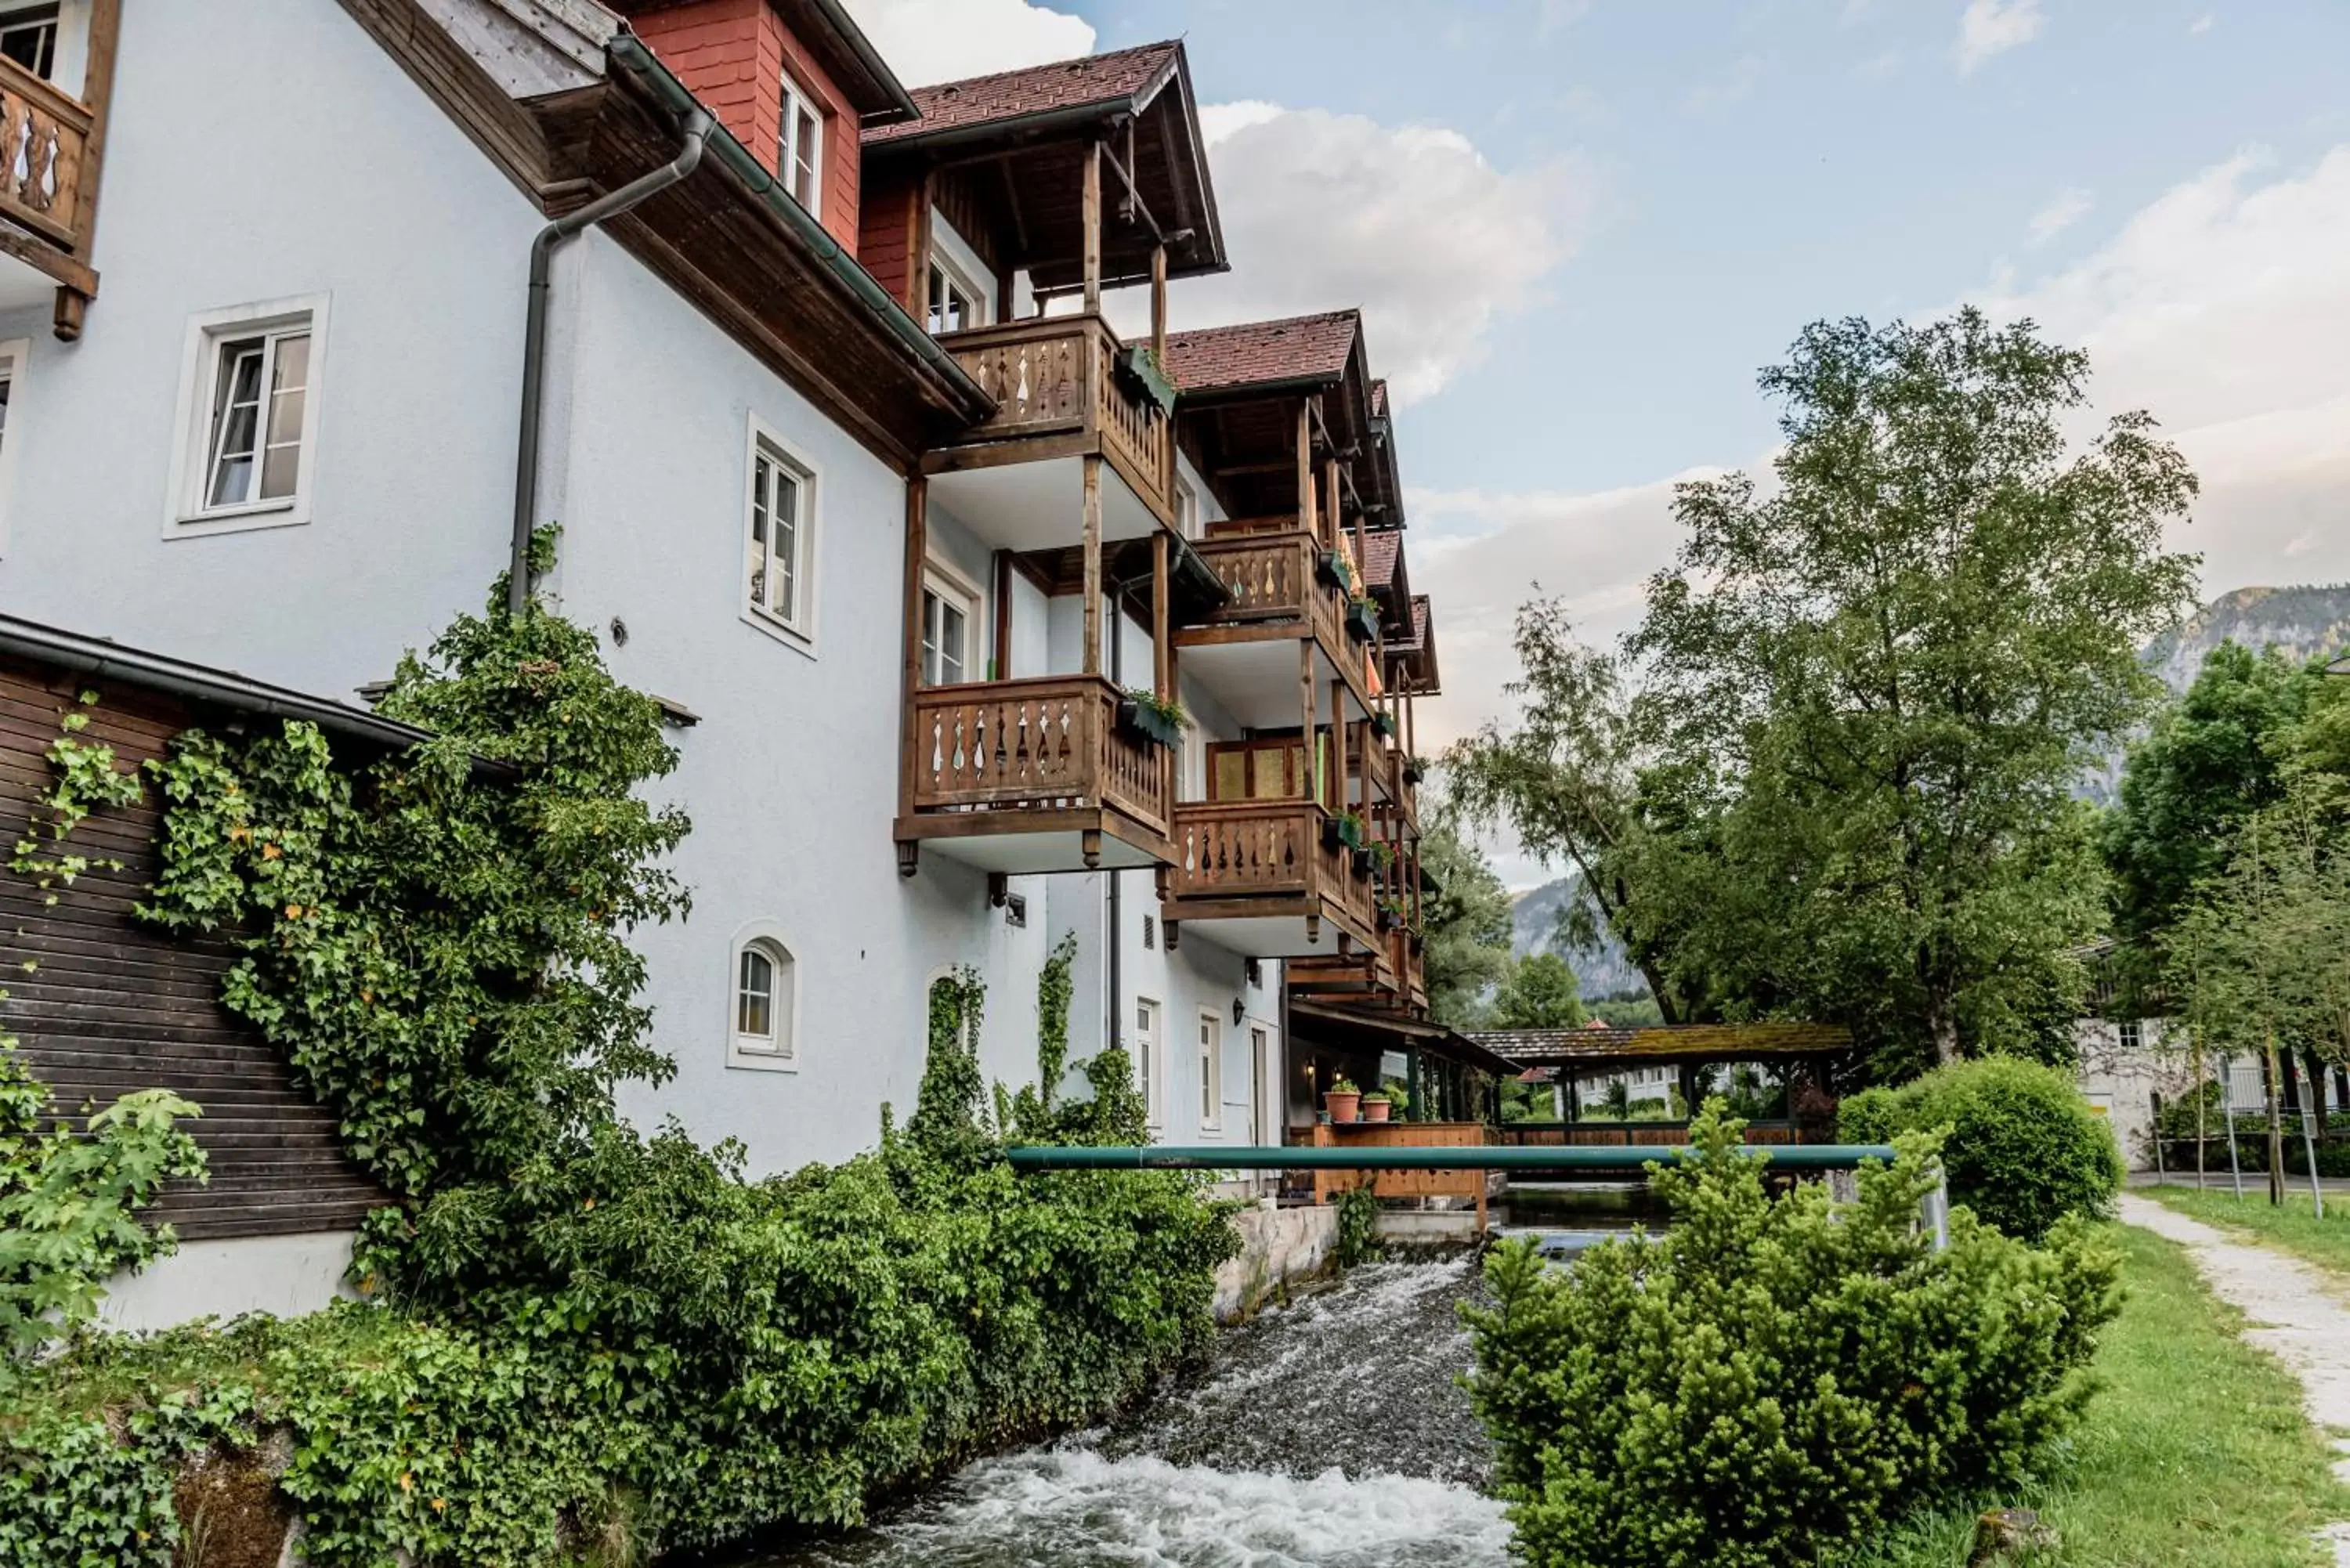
<point>1240,1011</point>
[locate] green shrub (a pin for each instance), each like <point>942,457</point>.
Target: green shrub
<point>2022,1148</point>
<point>1768,1381</point>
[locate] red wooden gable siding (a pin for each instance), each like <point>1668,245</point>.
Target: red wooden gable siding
<point>732,55</point>
<point>110,1004</point>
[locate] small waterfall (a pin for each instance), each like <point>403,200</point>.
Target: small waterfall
<point>1330,1434</point>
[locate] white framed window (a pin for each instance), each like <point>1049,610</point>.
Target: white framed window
<point>1186,509</point>
<point>14,354</point>
<point>29,36</point>
<point>1210,1070</point>
<point>800,158</point>
<point>779,534</point>
<point>955,301</point>
<point>960,289</point>
<point>2132,1033</point>
<point>1148,1066</point>
<point>950,621</point>
<point>248,417</point>
<point>763,1001</point>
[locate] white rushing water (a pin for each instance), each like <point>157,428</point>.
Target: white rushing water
<point>1329,1434</point>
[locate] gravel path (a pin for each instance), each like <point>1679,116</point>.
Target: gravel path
<point>2297,1314</point>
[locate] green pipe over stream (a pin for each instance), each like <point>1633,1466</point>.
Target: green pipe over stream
<point>1427,1157</point>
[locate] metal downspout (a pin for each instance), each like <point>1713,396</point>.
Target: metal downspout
<point>698,126</point>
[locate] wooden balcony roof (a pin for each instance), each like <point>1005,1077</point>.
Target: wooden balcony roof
<point>1018,141</point>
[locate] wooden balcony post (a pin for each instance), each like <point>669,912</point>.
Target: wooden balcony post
<point>1309,516</point>
<point>1091,218</point>
<point>1338,745</point>
<point>1162,641</point>
<point>1330,509</point>
<point>1313,779</point>
<point>1093,665</point>
<point>1158,305</point>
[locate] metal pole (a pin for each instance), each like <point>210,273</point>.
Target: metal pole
<point>2228,1114</point>
<point>2160,1179</point>
<point>2309,1146</point>
<point>1430,1157</point>
<point>1937,1208</point>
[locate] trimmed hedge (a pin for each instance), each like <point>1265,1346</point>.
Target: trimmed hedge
<point>1772,1381</point>
<point>2023,1148</point>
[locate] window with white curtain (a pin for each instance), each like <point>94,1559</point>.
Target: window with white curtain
<point>249,417</point>
<point>779,541</point>
<point>764,1004</point>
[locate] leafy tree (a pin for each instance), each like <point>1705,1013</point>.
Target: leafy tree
<point>2210,759</point>
<point>1469,931</point>
<point>1542,992</point>
<point>1565,779</point>
<point>1626,1012</point>
<point>1862,698</point>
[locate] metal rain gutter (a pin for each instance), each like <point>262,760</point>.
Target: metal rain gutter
<point>697,130</point>
<point>220,688</point>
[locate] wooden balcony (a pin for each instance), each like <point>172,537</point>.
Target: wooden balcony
<point>1269,879</point>
<point>1059,393</point>
<point>1387,977</point>
<point>50,150</point>
<point>1034,775</point>
<point>1280,592</point>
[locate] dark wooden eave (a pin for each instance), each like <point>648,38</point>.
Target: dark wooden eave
<point>727,239</point>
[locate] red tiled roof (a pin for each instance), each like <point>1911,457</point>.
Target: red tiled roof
<point>1299,347</point>
<point>1379,399</point>
<point>1418,638</point>
<point>1113,78</point>
<point>1380,550</point>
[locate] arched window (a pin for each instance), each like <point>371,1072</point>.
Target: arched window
<point>765,1003</point>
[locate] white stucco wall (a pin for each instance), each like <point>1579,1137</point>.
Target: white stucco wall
<point>341,177</point>
<point>287,1275</point>
<point>420,245</point>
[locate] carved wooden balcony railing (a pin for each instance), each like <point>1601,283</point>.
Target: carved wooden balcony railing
<point>50,149</point>
<point>1236,859</point>
<point>1277,588</point>
<point>1057,388</point>
<point>982,757</point>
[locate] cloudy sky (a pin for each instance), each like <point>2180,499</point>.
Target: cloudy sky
<point>1578,227</point>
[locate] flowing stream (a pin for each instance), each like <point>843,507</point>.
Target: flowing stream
<point>1330,1433</point>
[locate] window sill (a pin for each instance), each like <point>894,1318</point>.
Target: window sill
<point>761,1060</point>
<point>241,519</point>
<point>800,642</point>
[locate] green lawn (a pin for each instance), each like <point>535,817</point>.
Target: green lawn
<point>2195,1453</point>
<point>2293,1229</point>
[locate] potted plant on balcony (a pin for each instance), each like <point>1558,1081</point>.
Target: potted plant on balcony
<point>1342,1100</point>
<point>1383,724</point>
<point>1390,914</point>
<point>1375,1106</point>
<point>1414,770</point>
<point>1140,368</point>
<point>1399,1097</point>
<point>1332,568</point>
<point>1158,719</point>
<point>1345,829</point>
<point>1362,619</point>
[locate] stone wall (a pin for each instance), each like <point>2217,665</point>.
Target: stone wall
<point>1279,1248</point>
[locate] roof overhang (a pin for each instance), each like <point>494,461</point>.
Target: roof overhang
<point>1342,1028</point>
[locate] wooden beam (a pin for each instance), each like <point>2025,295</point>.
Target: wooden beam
<point>1242,469</point>
<point>1093,659</point>
<point>1338,747</point>
<point>1003,670</point>
<point>1163,640</point>
<point>1159,306</point>
<point>1090,219</point>
<point>918,283</point>
<point>1306,721</point>
<point>98,96</point>
<point>1308,514</point>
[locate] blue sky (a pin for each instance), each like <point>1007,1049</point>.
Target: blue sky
<point>1759,165</point>
<point>1578,228</point>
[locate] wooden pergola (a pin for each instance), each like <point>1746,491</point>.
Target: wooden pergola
<point>1795,1049</point>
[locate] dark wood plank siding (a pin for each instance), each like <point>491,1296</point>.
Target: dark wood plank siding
<point>112,1005</point>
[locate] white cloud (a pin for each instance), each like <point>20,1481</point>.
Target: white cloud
<point>2201,23</point>
<point>929,41</point>
<point>1992,27</point>
<point>2063,211</point>
<point>1410,222</point>
<point>1557,16</point>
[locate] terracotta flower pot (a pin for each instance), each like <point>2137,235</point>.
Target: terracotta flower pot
<point>1342,1107</point>
<point>1377,1110</point>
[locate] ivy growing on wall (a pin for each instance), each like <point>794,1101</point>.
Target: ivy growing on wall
<point>593,1338</point>
<point>86,780</point>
